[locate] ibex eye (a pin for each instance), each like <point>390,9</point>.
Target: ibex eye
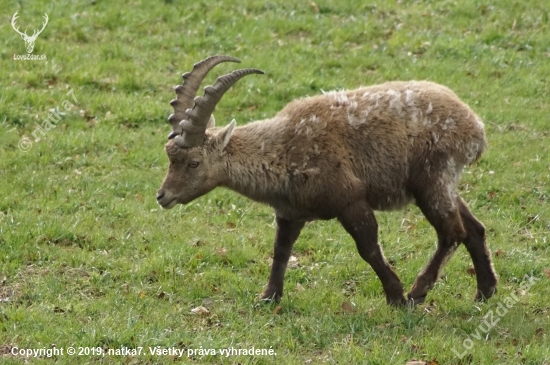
<point>193,164</point>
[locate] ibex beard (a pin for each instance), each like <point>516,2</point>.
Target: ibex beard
<point>339,155</point>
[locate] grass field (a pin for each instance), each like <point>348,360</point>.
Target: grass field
<point>87,258</point>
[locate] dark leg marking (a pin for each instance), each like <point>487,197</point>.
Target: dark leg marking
<point>477,248</point>
<point>287,233</point>
<point>360,222</point>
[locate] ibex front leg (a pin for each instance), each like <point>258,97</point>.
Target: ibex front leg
<point>287,233</point>
<point>359,221</point>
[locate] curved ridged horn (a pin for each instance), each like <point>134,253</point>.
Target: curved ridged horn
<point>194,125</point>
<point>187,91</point>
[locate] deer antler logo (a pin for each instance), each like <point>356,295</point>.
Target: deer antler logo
<point>29,40</point>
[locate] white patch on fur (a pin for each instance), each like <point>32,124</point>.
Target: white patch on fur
<point>451,191</point>
<point>395,102</point>
<point>435,137</point>
<point>299,127</point>
<point>316,150</point>
<point>376,98</point>
<point>449,123</point>
<point>480,123</point>
<point>393,93</point>
<point>430,108</point>
<point>446,202</point>
<point>355,119</point>
<point>352,107</point>
<point>310,127</point>
<point>365,113</point>
<point>416,116</point>
<point>452,176</point>
<point>340,99</point>
<point>409,97</point>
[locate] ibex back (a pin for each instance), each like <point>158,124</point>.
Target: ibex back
<point>338,155</point>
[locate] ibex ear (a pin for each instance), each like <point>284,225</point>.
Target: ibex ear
<point>211,122</point>
<point>225,134</point>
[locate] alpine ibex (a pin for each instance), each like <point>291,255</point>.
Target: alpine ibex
<point>339,155</point>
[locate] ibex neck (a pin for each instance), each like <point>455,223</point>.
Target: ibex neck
<point>255,162</point>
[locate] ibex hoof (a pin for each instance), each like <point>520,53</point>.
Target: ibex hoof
<point>411,302</point>
<point>483,296</point>
<point>397,302</point>
<point>270,297</point>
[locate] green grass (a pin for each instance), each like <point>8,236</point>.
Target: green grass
<point>89,259</point>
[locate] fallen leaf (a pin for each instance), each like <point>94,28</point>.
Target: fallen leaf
<point>416,348</point>
<point>299,287</point>
<point>161,295</point>
<point>5,296</point>
<point>315,7</point>
<point>293,262</point>
<point>546,273</point>
<point>221,251</point>
<point>200,310</point>
<point>432,306</point>
<point>499,253</point>
<point>347,307</point>
<point>277,309</point>
<point>471,271</point>
<point>422,362</point>
<point>532,219</point>
<point>5,349</point>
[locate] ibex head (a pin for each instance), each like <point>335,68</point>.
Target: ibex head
<point>29,40</point>
<point>196,153</point>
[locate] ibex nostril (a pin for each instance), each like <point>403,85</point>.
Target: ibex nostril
<point>160,196</point>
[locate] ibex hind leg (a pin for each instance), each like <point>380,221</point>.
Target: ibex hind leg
<point>360,222</point>
<point>442,211</point>
<point>287,233</point>
<point>477,248</point>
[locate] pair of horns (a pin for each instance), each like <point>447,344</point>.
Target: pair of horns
<point>191,115</point>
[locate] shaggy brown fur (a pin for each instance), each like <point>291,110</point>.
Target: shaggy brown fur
<point>343,155</point>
